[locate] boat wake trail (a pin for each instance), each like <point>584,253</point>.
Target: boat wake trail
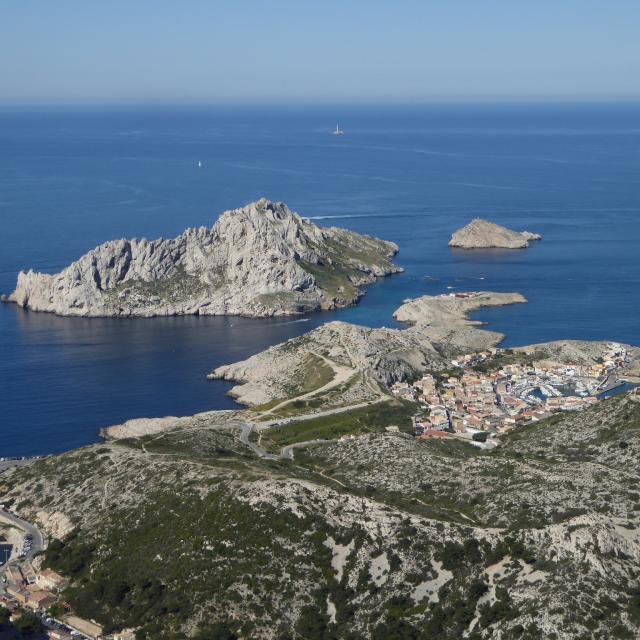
<point>293,321</point>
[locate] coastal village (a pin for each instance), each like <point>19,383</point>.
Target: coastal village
<point>478,399</point>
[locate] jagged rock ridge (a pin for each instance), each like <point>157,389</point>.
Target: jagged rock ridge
<point>482,234</point>
<point>260,260</point>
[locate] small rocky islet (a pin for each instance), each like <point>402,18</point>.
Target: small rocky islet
<point>482,234</point>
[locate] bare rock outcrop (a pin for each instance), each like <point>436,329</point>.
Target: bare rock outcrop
<point>139,427</point>
<point>56,524</point>
<point>482,234</point>
<point>260,260</point>
<point>452,309</point>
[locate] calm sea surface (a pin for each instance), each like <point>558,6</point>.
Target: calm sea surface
<point>71,179</point>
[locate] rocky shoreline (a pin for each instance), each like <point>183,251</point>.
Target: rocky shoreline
<point>452,309</point>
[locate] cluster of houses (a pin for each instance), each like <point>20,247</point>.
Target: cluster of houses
<point>38,592</point>
<point>35,592</point>
<point>478,405</point>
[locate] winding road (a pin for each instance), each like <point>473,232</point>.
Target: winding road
<point>286,453</point>
<point>259,451</point>
<point>321,414</point>
<point>341,375</point>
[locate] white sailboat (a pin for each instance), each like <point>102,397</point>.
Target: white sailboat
<point>338,131</point>
<point>199,164</point>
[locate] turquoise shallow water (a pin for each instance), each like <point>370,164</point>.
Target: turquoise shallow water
<point>70,179</point>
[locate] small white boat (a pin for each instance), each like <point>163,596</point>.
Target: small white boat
<point>199,164</point>
<point>338,131</point>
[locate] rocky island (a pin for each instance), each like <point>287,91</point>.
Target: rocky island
<point>482,234</point>
<point>260,260</point>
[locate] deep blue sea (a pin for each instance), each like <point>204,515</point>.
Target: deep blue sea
<point>73,178</point>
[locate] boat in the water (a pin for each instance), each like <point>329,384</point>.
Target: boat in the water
<point>338,131</point>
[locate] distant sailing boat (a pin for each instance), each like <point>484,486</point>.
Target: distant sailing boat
<point>199,163</point>
<point>338,131</point>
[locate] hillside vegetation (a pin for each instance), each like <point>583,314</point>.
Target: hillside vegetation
<point>187,532</point>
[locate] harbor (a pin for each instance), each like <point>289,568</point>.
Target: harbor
<point>491,393</point>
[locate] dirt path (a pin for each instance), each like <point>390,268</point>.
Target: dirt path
<point>340,375</point>
<point>462,515</point>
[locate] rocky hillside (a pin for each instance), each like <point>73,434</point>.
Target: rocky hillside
<point>441,330</point>
<point>260,260</point>
<point>482,234</point>
<point>185,533</point>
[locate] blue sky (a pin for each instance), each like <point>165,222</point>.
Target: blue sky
<point>283,50</point>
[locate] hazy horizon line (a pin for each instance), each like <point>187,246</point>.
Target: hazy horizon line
<point>294,102</point>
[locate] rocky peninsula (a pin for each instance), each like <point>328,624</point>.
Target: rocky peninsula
<point>260,260</point>
<point>440,330</point>
<point>452,309</point>
<point>482,234</point>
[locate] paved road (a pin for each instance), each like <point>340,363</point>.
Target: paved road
<point>285,454</point>
<point>27,527</point>
<point>341,374</point>
<point>259,451</point>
